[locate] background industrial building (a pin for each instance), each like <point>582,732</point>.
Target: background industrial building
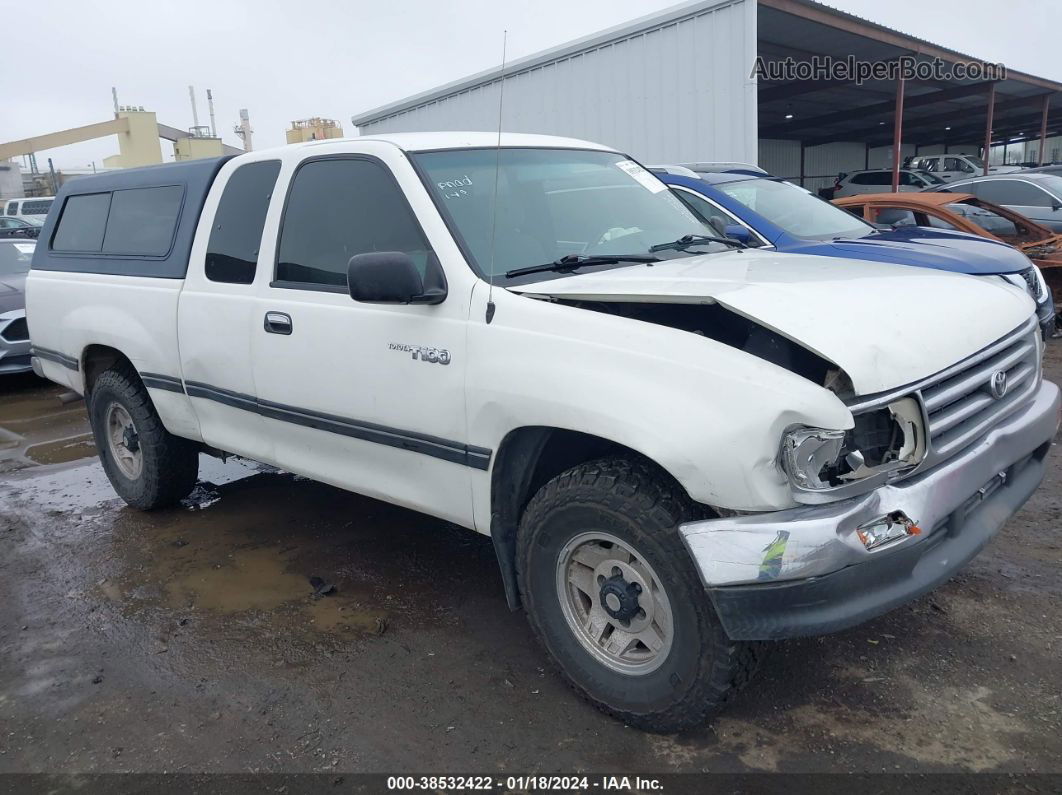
<point>678,86</point>
<point>139,136</point>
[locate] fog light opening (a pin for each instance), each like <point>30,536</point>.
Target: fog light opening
<point>886,529</point>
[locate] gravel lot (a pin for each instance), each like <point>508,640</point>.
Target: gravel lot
<point>190,640</point>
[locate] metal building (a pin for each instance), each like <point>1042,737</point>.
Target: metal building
<point>674,85</point>
<point>678,86</point>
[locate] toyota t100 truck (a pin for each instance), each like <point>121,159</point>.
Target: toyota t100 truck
<point>679,446</point>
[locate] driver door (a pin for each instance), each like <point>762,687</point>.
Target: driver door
<point>366,396</point>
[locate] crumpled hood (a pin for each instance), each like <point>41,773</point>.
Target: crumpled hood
<point>885,325</point>
<point>12,293</point>
<point>940,249</point>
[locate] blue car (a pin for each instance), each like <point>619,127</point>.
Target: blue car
<point>765,211</point>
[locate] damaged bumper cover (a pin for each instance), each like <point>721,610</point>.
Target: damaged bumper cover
<point>809,571</point>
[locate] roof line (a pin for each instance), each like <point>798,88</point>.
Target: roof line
<point>828,15</point>
<point>603,38</point>
<point>807,9</point>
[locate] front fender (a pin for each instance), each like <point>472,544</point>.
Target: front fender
<point>709,414</point>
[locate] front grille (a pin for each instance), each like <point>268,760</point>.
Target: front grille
<point>960,404</point>
<point>16,330</point>
<point>1033,283</point>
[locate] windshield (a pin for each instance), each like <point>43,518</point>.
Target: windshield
<point>795,210</point>
<point>15,257</point>
<point>975,161</point>
<point>931,178</point>
<point>553,203</point>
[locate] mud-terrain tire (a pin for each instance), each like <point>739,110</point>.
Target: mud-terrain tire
<point>699,669</point>
<point>163,468</point>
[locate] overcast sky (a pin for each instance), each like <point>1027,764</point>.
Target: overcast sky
<point>333,58</point>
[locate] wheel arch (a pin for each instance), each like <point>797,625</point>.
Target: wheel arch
<point>97,359</point>
<point>527,458</point>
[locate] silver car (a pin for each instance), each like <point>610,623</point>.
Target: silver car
<point>1035,195</point>
<point>15,256</point>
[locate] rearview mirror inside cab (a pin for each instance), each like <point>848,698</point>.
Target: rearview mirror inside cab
<point>391,277</point>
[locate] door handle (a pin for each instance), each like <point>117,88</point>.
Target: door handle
<point>277,323</point>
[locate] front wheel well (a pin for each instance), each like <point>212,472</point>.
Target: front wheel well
<point>526,460</point>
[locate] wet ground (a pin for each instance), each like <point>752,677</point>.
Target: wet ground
<point>192,640</point>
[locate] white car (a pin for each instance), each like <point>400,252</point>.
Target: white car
<point>34,209</point>
<point>679,446</point>
<point>879,180</point>
<point>954,167</point>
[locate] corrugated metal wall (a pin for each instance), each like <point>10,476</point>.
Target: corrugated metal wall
<point>677,92</point>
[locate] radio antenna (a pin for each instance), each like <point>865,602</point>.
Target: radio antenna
<point>497,168</point>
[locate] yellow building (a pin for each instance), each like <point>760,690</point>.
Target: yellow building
<point>194,147</point>
<point>139,144</point>
<point>315,129</point>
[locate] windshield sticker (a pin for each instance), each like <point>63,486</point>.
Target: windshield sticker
<point>644,178</point>
<point>25,248</point>
<point>456,188</point>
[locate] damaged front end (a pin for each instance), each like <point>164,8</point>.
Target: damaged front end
<point>885,442</point>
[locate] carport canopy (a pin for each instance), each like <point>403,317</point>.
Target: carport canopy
<point>923,110</point>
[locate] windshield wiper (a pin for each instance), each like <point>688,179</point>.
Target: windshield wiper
<point>570,262</point>
<point>686,241</point>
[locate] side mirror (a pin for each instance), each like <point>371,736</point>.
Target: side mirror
<point>738,232</point>
<point>389,277</point>
<point>1056,205</point>
<point>718,224</point>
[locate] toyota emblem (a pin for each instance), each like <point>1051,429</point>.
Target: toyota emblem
<point>998,384</point>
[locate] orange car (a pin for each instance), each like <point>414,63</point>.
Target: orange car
<point>964,212</point>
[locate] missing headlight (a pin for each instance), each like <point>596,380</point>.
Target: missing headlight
<point>889,439</point>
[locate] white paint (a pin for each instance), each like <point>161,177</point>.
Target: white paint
<point>706,412</point>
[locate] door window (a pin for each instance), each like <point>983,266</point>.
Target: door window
<point>985,218</point>
<point>895,216</point>
<point>232,253</point>
<point>936,222</point>
<point>873,178</point>
<point>1012,192</point>
<point>338,208</point>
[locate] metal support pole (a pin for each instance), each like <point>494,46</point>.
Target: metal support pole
<point>802,164</point>
<point>897,135</point>
<point>55,179</point>
<point>988,124</point>
<point>1043,129</point>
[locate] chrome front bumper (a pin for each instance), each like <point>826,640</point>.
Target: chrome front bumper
<point>958,506</point>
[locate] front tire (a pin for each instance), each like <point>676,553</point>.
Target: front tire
<point>147,465</point>
<point>613,595</point>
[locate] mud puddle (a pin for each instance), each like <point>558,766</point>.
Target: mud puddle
<point>37,428</point>
<point>244,560</point>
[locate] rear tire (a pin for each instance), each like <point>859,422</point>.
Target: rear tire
<point>147,465</point>
<point>593,544</point>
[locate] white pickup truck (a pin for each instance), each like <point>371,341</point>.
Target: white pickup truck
<point>680,447</point>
